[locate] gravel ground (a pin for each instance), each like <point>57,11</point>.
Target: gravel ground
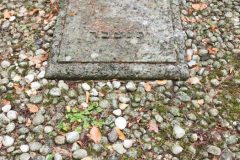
<point>169,120</point>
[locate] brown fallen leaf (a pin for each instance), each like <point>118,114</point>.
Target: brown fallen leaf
<point>6,14</point>
<point>34,11</point>
<point>153,126</point>
<point>95,134</point>
<point>29,122</point>
<point>213,50</point>
<point>37,60</point>
<point>194,80</point>
<point>120,134</point>
<point>32,108</point>
<point>199,6</point>
<point>87,96</point>
<point>161,82</point>
<point>148,86</point>
<point>62,151</point>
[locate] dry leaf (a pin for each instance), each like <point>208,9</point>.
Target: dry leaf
<point>213,50</point>
<point>148,87</point>
<point>29,122</point>
<point>120,134</point>
<point>5,102</point>
<point>153,126</point>
<point>194,80</point>
<point>32,108</point>
<point>72,13</point>
<point>199,6</point>
<point>37,60</point>
<point>161,82</point>
<point>95,134</point>
<point>87,96</point>
<point>62,151</point>
<point>34,11</point>
<point>6,14</point>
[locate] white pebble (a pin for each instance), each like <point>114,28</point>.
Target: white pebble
<point>127,143</point>
<point>5,64</point>
<point>12,18</point>
<point>121,122</point>
<point>24,148</point>
<point>178,132</point>
<point>7,141</point>
<point>12,115</point>
<point>6,108</point>
<point>29,78</point>
<point>35,85</point>
<point>176,149</point>
<point>86,87</point>
<point>117,112</point>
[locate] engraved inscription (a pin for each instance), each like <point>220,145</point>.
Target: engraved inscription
<point>117,35</point>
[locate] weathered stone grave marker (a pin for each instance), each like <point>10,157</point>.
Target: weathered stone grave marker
<point>127,39</point>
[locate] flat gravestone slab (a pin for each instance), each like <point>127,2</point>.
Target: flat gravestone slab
<point>127,39</point>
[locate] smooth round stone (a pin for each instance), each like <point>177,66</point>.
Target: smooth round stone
<point>176,149</point>
<point>35,85</point>
<point>29,78</point>
<point>55,92</point>
<point>116,84</point>
<point>86,87</point>
<point>80,153</point>
<point>38,119</point>
<point>48,129</point>
<point>178,132</point>
<point>57,156</point>
<point>24,148</point>
<point>6,108</point>
<point>117,112</point>
<point>121,122</point>
<point>24,156</point>
<point>60,140</point>
<point>127,143</point>
<point>131,86</point>
<point>5,64</point>
<point>213,150</point>
<point>72,137</point>
<point>7,141</point>
<point>35,146</point>
<point>12,115</point>
<point>118,147</point>
<point>10,127</point>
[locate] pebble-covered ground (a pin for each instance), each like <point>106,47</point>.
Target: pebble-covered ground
<point>93,120</point>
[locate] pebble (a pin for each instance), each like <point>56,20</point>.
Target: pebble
<point>35,146</point>
<point>131,86</point>
<point>24,156</point>
<point>72,137</point>
<point>5,25</point>
<point>117,112</point>
<point>213,150</point>
<point>57,156</point>
<point>215,82</point>
<point>112,136</point>
<point>39,52</point>
<point>7,141</point>
<point>38,119</point>
<point>24,148</point>
<point>226,155</point>
<point>116,84</point>
<point>10,127</point>
<point>178,132</point>
<point>55,92</point>
<point>159,118</point>
<point>29,78</point>
<point>124,99</point>
<point>118,147</point>
<point>6,108</point>
<point>80,153</point>
<point>86,87</point>
<point>214,112</point>
<point>48,129</point>
<point>12,115</point>
<point>104,104</point>
<point>127,143</point>
<point>35,85</point>
<point>121,122</point>
<point>176,149</point>
<point>5,64</point>
<point>60,139</point>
